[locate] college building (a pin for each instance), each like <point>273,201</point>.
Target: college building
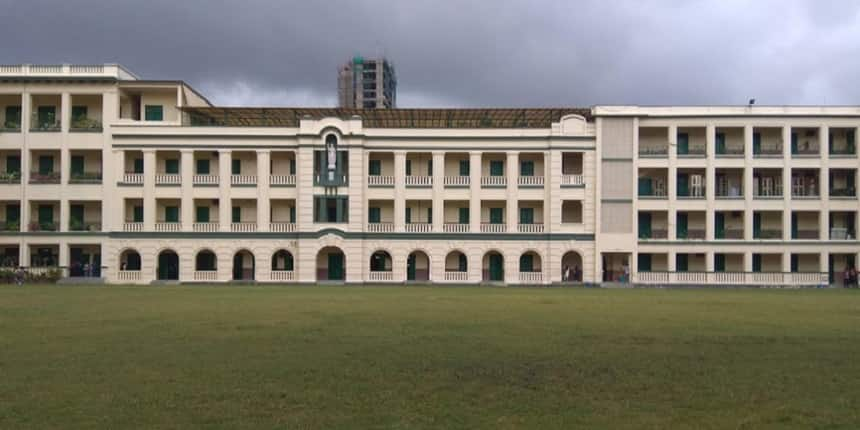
<point>106,175</point>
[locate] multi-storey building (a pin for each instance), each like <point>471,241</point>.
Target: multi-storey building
<point>368,83</point>
<point>107,175</point>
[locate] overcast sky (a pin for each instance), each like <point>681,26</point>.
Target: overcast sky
<point>468,53</point>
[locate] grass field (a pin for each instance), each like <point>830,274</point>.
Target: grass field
<point>402,357</point>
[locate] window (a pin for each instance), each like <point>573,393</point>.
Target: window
<point>292,214</point>
<point>408,216</point>
<point>463,215</point>
<point>756,263</point>
<point>202,214</point>
<point>527,215</point>
<point>202,166</point>
<point>795,263</point>
<point>292,166</point>
<point>79,113</point>
<point>373,215</point>
<point>13,164</point>
<point>683,143</point>
<point>375,168</point>
<point>171,214</point>
<point>171,166</point>
<point>47,116</point>
<point>46,215</point>
<point>13,117</point>
<point>76,217</point>
<point>154,113</point>
<point>527,263</point>
<point>13,214</point>
<point>137,214</point>
<point>236,166</point>
<point>331,209</point>
<point>429,215</point>
<point>721,143</point>
<point>464,167</point>
<point>681,261</point>
<point>138,165</point>
<point>46,164</point>
<point>497,168</point>
<point>756,142</point>
<point>643,262</point>
<point>236,214</point>
<point>77,167</point>
<point>429,167</point>
<point>496,215</point>
<point>719,262</point>
<point>408,167</point>
<point>527,168</point>
<point>461,263</point>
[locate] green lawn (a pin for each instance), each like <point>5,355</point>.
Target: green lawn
<point>404,357</point>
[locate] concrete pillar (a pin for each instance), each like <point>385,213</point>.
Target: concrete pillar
<point>224,201</point>
<point>475,192</point>
<point>264,166</point>
<point>149,207</point>
<point>65,111</point>
<point>186,171</point>
<point>748,261</point>
<point>438,190</point>
<point>399,191</point>
<point>512,205</point>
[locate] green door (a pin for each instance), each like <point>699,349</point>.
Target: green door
<point>46,164</point>
<point>756,266</point>
<point>756,143</point>
<point>46,214</point>
<point>681,225</point>
<point>645,187</point>
<point>495,215</point>
<point>527,216</point>
<point>47,116</point>
<point>171,214</point>
<point>202,166</point>
<point>410,267</point>
<point>13,213</point>
<point>497,168</point>
<point>720,225</point>
<point>644,225</point>
<point>373,215</point>
<point>375,168</point>
<point>168,266</point>
<point>794,143</point>
<point>683,185</point>
<point>683,143</point>
<point>682,262</point>
<point>720,262</point>
<point>13,117</point>
<point>464,167</point>
<point>756,225</point>
<point>202,214</point>
<point>77,165</point>
<point>463,215</point>
<point>335,267</point>
<point>171,166</point>
<point>76,217</point>
<point>497,271</point>
<point>643,262</point>
<point>721,143</point>
<point>13,164</point>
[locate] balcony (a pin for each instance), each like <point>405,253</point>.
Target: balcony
<point>531,181</point>
<point>381,276</point>
<point>457,181</point>
<point>733,278</point>
<point>530,228</point>
<point>86,178</point>
<point>690,184</point>
<point>487,227</point>
<point>653,142</point>
<point>132,226</point>
<point>729,183</point>
<point>243,227</point>
<point>282,180</point>
<point>842,143</point>
<point>842,183</point>
<point>128,275</point>
<point>10,178</point>
<point>531,277</point>
<point>456,276</point>
<point>455,228</point>
<point>282,227</point>
<point>132,178</point>
<point>205,227</point>
<point>45,178</point>
<point>419,181</point>
<point>380,181</point>
<point>419,227</point>
<point>40,123</point>
<point>729,142</point>
<point>691,142</point>
<point>572,181</point>
<point>380,227</point>
<point>43,226</point>
<point>494,181</point>
<point>168,226</point>
<point>282,275</point>
<point>204,179</point>
<point>767,184</point>
<point>243,180</point>
<point>805,143</point>
<point>804,184</point>
<point>168,179</point>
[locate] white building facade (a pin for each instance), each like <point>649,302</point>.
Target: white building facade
<point>109,176</point>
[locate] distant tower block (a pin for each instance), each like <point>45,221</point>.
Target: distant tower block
<point>367,83</point>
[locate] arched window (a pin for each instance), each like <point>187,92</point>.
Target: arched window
<point>282,260</point>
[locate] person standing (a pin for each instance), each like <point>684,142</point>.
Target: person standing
<point>19,276</point>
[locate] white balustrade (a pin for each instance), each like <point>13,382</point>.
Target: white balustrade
<point>493,228</point>
<point>206,275</point>
<point>205,227</point>
<point>457,181</point>
<point>282,179</point>
<point>455,228</point>
<point>380,227</point>
<point>282,227</point>
<point>128,275</point>
<point>380,181</point>
<point>572,180</point>
<point>456,276</point>
<point>531,277</point>
<point>168,226</point>
<point>132,226</point>
<point>132,178</point>
<point>494,181</point>
<point>243,227</point>
<point>531,228</point>
<point>531,181</point>
<point>733,278</point>
<point>205,179</point>
<point>381,276</point>
<point>282,275</point>
<point>419,181</point>
<point>419,227</point>
<point>243,179</point>
<point>168,179</point>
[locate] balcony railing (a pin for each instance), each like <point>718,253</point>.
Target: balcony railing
<point>168,226</point>
<point>204,179</point>
<point>10,226</point>
<point>282,180</point>
<point>654,151</point>
<point>806,234</point>
<point>572,180</point>
<point>168,179</point>
<point>419,181</point>
<point>843,192</point>
<point>806,152</point>
<point>132,178</point>
<point>205,275</point>
<point>654,234</point>
<point>452,227</point>
<point>457,181</point>
<point>733,278</point>
<point>243,227</point>
<point>205,227</point>
<point>419,227</point>
<point>243,179</point>
<point>768,234</point>
<point>43,226</point>
<point>531,181</point>
<point>44,126</point>
<point>11,127</point>
<point>380,227</point>
<point>693,193</point>
<point>132,226</point>
<point>730,151</point>
<point>85,125</point>
<point>841,233</point>
<point>843,151</point>
<point>487,227</point>
<point>692,234</point>
<point>86,178</point>
<point>128,275</point>
<point>494,181</point>
<point>380,276</point>
<point>455,276</point>
<point>44,178</point>
<point>731,234</point>
<point>380,181</point>
<point>531,277</point>
<point>282,275</point>
<point>85,226</point>
<point>282,227</point>
<point>693,152</point>
<point>530,228</point>
<point>768,152</point>
<point>10,178</point>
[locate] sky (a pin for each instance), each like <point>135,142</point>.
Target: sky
<point>466,53</point>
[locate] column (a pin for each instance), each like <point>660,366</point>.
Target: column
<point>824,182</point>
<point>224,202</point>
<point>475,192</point>
<point>438,190</point>
<point>149,189</point>
<point>399,191</point>
<point>748,183</point>
<point>65,168</point>
<point>186,170</point>
<point>264,168</point>
<point>710,184</point>
<point>25,172</point>
<point>786,181</point>
<point>65,112</point>
<point>512,206</point>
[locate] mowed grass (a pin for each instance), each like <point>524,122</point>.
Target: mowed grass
<point>404,357</point>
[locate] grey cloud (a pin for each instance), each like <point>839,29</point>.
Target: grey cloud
<point>463,53</point>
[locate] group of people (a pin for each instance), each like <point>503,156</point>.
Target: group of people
<point>849,277</point>
<point>568,276</point>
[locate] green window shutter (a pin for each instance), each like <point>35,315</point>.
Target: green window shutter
<point>408,167</point>
<point>464,167</point>
<point>236,167</point>
<point>171,214</point>
<point>756,263</point>
<point>171,166</point>
<point>526,263</point>
<point>138,165</point>
<point>721,143</point>
<point>463,215</point>
<point>373,215</point>
<point>757,225</point>
<point>643,262</point>
<point>76,217</point>
<point>756,143</point>
<point>375,168</point>
<point>683,143</point>
<point>13,213</point>
<point>645,187</point>
<point>527,168</point>
<point>137,214</point>
<point>794,228</point>
<point>497,168</point>
<point>462,263</point>
<point>77,165</point>
<point>794,149</point>
<point>429,215</point>
<point>795,263</point>
<point>527,216</point>
<point>203,166</point>
<point>429,167</point>
<point>681,262</point>
<point>343,207</point>
<point>644,225</point>
<point>851,140</point>
<point>683,185</point>
<point>719,262</point>
<point>681,226</point>
<point>719,225</point>
<point>46,214</point>
<point>13,164</point>
<point>408,216</point>
<point>13,117</point>
<point>495,215</point>
<point>46,164</point>
<point>79,113</point>
<point>236,215</point>
<point>154,113</point>
<point>202,214</point>
<point>292,214</point>
<point>292,166</point>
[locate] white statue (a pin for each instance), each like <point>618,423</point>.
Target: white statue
<point>332,155</point>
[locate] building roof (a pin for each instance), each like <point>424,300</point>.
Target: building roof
<point>384,118</point>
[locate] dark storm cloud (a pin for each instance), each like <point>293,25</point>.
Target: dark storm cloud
<point>462,53</point>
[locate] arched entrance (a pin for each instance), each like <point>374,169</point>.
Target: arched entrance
<point>243,266</point>
<point>282,260</point>
<point>380,261</point>
<point>168,266</point>
<point>205,261</point>
<point>418,266</point>
<point>129,260</point>
<point>331,264</point>
<point>493,267</point>
<point>571,267</point>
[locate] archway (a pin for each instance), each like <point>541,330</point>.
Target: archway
<point>571,267</point>
<point>418,266</point>
<point>168,266</point>
<point>282,260</point>
<point>493,267</point>
<point>456,261</point>
<point>129,260</point>
<point>380,261</point>
<point>530,261</point>
<point>331,264</point>
<point>243,266</point>
<point>205,260</point>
